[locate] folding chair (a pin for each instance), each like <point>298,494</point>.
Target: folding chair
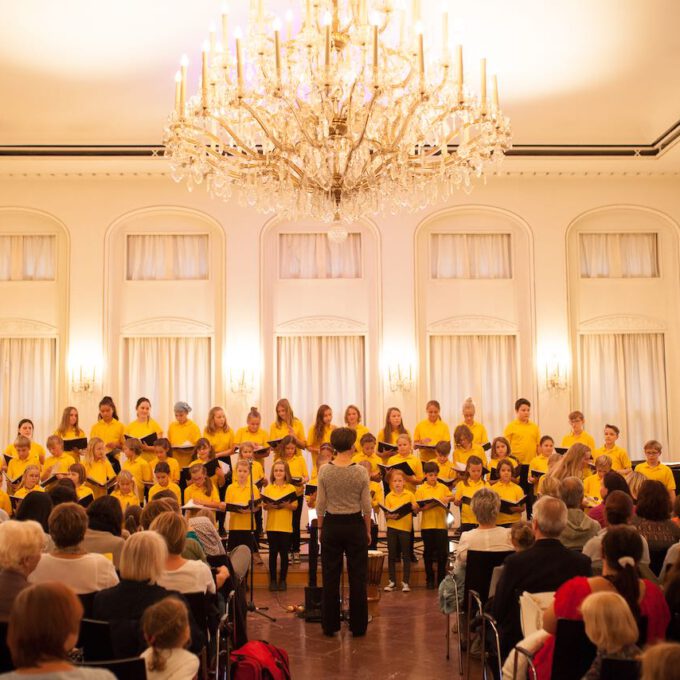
<point>87,600</point>
<point>531,669</point>
<point>95,640</point>
<point>6,663</point>
<point>123,669</point>
<point>573,653</point>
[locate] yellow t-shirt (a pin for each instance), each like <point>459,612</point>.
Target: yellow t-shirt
<point>377,494</point>
<point>258,472</point>
<point>180,435</point>
<point>172,463</point>
<point>17,467</point>
<point>71,433</point>
<point>141,473</point>
<point>479,435</point>
<point>493,464</point>
<point>538,464</point>
<point>83,491</point>
<point>617,455</point>
<point>23,491</point>
<point>583,438</point>
<point>36,451</point>
<point>361,430</point>
<point>467,489</point>
<point>298,468</point>
<point>139,430</point>
<point>101,472</point>
<point>434,518</point>
<point>60,465</point>
<point>592,487</point>
<point>280,520</point>
<point>259,438</point>
<point>446,470</point>
<point>508,492</point>
<point>374,460</point>
<point>316,444</point>
<point>156,488</point>
<point>198,494</point>
<point>415,464</point>
<point>126,499</point>
<point>435,432</point>
<point>523,438</point>
<point>661,473</point>
<point>461,456</point>
<point>220,441</point>
<point>108,432</point>
<point>277,431</point>
<point>394,501</point>
<point>240,495</point>
<point>5,503</point>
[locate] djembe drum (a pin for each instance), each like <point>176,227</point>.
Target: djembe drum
<point>376,562</point>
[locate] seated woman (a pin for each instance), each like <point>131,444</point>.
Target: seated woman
<point>180,574</point>
<point>105,524</point>
<point>192,547</point>
<point>69,562</point>
<point>612,481</point>
<point>21,545</point>
<point>653,520</point>
<point>621,553</point>
<point>43,629</point>
<point>486,505</point>
<point>37,507</point>
<point>141,564</point>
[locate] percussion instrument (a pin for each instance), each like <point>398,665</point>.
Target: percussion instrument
<point>376,562</point>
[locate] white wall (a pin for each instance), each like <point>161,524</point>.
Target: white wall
<point>89,204</point>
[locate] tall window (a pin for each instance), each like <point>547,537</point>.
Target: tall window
<point>315,256</point>
<point>623,382</point>
<point>28,258</point>
<point>470,256</point>
<point>625,256</point>
<point>158,257</point>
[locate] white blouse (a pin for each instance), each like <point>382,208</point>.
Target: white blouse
<point>87,573</point>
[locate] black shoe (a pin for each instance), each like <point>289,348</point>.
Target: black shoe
<point>430,585</point>
<point>272,586</point>
<point>282,585</point>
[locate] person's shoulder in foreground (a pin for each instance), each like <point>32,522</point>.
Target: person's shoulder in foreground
<point>76,673</point>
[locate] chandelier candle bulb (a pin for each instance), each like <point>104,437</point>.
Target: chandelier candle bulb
<point>459,54</point>
<point>183,86</point>
<point>225,27</point>
<point>204,76</point>
<point>239,64</point>
<point>483,86</point>
<point>178,88</point>
<point>327,24</point>
<point>496,106</point>
<point>277,50</point>
<point>375,53</point>
<point>289,24</point>
<point>421,51</point>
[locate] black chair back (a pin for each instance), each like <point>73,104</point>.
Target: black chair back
<point>656,558</point>
<point>6,663</point>
<point>124,669</point>
<point>619,669</point>
<point>479,570</point>
<point>87,600</point>
<point>199,605</point>
<point>95,640</point>
<point>574,652</point>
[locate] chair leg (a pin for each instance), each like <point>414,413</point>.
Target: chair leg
<point>460,629</point>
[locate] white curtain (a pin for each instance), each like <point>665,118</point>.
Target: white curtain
<point>27,386</point>
<point>470,256</point>
<point>619,256</point>
<point>483,367</point>
<point>27,258</point>
<point>157,257</point>
<point>623,382</point>
<point>315,370</point>
<point>166,370</point>
<point>315,256</point>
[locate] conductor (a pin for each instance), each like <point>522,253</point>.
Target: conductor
<point>343,505</point>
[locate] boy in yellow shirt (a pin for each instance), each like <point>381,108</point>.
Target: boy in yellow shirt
<point>618,455</point>
<point>368,445</point>
<point>654,469</point>
<point>163,476</point>
<point>58,462</point>
<point>433,499</point>
<point>17,465</point>
<point>577,434</point>
<point>447,470</point>
<point>465,489</point>
<point>399,527</point>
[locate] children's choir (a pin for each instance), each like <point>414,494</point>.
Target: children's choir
<point>223,470</point>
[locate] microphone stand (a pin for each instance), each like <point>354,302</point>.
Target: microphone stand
<point>250,605</point>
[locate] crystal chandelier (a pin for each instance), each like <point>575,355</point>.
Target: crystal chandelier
<point>347,116</point>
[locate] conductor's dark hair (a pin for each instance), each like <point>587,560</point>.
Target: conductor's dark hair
<point>343,438</point>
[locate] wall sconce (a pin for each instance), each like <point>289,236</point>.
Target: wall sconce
<point>83,379</point>
<point>555,375</point>
<point>400,379</point>
<point>242,382</point>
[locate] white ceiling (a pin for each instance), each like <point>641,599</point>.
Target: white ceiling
<point>571,71</point>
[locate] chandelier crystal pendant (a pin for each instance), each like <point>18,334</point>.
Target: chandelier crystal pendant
<point>347,116</point>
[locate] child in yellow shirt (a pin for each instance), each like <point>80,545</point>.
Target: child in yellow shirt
<point>58,462</point>
<point>126,493</point>
<point>464,446</point>
<point>201,490</point>
<point>433,499</point>
<point>377,499</point>
<point>136,465</point>
<point>30,481</point>
<point>447,470</point>
<point>78,476</point>
<point>465,489</point>
<point>500,450</point>
<point>655,469</point>
<point>538,467</point>
<point>239,494</point>
<point>162,451</point>
<point>299,477</point>
<point>25,429</point>
<point>430,431</point>
<point>510,494</point>
<point>164,482</point>
<point>325,456</point>
<point>592,485</point>
<point>183,433</point>
<point>98,470</point>
<point>320,432</point>
<point>619,456</point>
<point>399,528</point>
<point>17,465</point>
<point>577,434</point>
<point>368,444</point>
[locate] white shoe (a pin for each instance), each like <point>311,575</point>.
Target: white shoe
<point>405,588</point>
<point>390,587</point>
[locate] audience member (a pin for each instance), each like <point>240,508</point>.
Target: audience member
<point>36,506</point>
<point>69,563</point>
<point>105,522</point>
<point>21,545</point>
<point>64,491</point>
<point>580,528</point>
<point>621,549</point>
<point>43,629</point>
<point>661,662</point>
<point>612,481</point>
<point>192,547</point>
<point>542,568</point>
<point>202,523</point>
